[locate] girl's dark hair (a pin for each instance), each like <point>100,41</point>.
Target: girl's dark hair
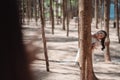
<point>103,39</point>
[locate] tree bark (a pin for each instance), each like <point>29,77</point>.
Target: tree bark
<point>106,26</point>
<point>71,9</point>
<point>117,19</point>
<point>64,14</point>
<point>23,11</point>
<point>36,11</point>
<point>29,10</point>
<point>13,55</point>
<point>96,14</point>
<point>52,15</point>
<point>68,16</point>
<point>85,7</point>
<point>57,12</point>
<point>43,34</point>
<point>101,2</point>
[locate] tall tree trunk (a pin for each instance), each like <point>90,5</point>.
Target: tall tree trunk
<point>13,56</point>
<point>68,16</point>
<point>96,14</point>
<point>64,13</point>
<point>71,9</point>
<point>117,19</point>
<point>93,8</point>
<point>27,11</point>
<point>32,9</point>
<point>85,7</point>
<point>35,9</point>
<point>114,23</point>
<point>106,25</point>
<point>57,16</point>
<point>44,16</point>
<point>43,34</point>
<point>61,12</point>
<point>101,2</point>
<point>23,11</point>
<point>52,15</point>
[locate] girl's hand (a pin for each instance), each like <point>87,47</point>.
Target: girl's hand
<point>94,45</point>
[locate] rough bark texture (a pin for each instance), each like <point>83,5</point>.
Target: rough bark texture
<point>96,13</point>
<point>29,10</point>
<point>85,7</point>
<point>117,19</point>
<point>57,12</point>
<point>52,15</point>
<point>64,13</point>
<point>101,16</point>
<point>106,24</point>
<point>35,7</point>
<point>43,34</point>
<point>68,16</point>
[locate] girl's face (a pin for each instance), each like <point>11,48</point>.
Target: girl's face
<point>100,35</point>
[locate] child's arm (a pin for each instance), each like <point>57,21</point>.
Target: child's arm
<point>94,46</point>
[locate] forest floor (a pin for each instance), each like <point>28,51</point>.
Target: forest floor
<point>62,51</point>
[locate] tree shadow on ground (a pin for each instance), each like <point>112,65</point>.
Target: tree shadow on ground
<point>68,49</point>
<point>61,39</point>
<point>114,53</point>
<point>40,74</point>
<point>101,58</point>
<point>64,73</point>
<point>113,75</point>
<point>73,31</point>
<point>109,72</point>
<point>30,29</point>
<point>58,61</point>
<point>58,70</point>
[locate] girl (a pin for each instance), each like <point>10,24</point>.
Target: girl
<point>98,37</point>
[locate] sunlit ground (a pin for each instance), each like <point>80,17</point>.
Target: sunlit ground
<point>62,51</point>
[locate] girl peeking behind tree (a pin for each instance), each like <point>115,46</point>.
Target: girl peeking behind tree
<point>98,38</point>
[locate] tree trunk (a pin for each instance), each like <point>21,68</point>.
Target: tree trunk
<point>106,25</point>
<point>68,16</point>
<point>36,13</point>
<point>29,10</point>
<point>52,15</point>
<point>117,19</point>
<point>13,56</point>
<point>64,13</point>
<point>61,12</point>
<point>57,12</point>
<point>44,16</point>
<point>23,11</point>
<point>32,9</point>
<point>85,7</point>
<point>101,2</point>
<point>71,9</point>
<point>43,34</point>
<point>96,14</point>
